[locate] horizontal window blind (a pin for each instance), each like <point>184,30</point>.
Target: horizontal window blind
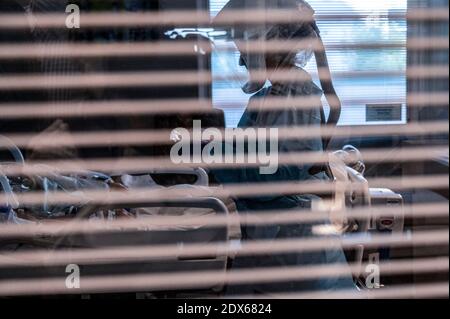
<point>122,170</point>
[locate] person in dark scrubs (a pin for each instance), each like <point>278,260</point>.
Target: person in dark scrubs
<point>257,115</point>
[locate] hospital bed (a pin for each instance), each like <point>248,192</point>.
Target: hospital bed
<point>130,238</point>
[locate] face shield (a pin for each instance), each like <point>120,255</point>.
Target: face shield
<point>249,41</point>
<point>252,48</point>
<point>227,65</point>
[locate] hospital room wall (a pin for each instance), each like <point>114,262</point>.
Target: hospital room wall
<point>434,57</point>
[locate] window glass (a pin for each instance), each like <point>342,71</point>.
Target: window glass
<point>370,82</point>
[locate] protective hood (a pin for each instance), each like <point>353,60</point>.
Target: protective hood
<point>251,37</point>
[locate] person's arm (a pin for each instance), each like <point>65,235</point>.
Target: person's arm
<point>327,83</point>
